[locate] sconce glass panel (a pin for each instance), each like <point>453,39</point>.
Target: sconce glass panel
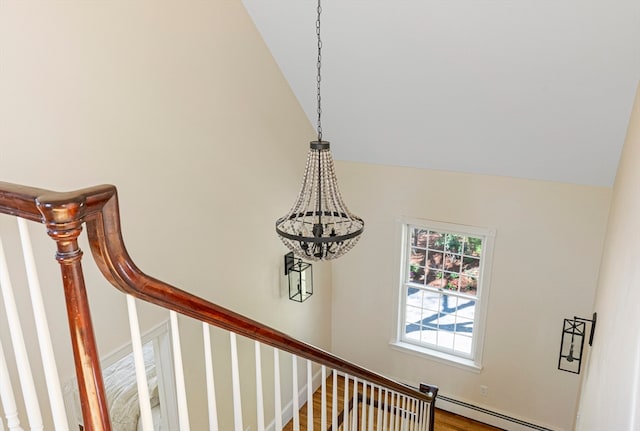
<point>571,346</point>
<point>300,276</point>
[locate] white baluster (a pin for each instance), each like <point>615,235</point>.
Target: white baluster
<point>400,412</point>
<point>22,360</point>
<point>141,372</point>
<point>390,413</point>
<point>309,396</point>
<point>412,418</point>
<point>235,380</point>
<point>7,397</point>
<point>211,387</point>
<point>363,426</point>
<point>296,401</point>
<point>181,391</point>
<point>427,416</point>
<point>345,404</point>
<point>323,414</point>
<point>276,389</point>
<point>334,402</point>
<point>371,407</point>
<point>259,396</point>
<point>1,425</point>
<point>404,413</point>
<point>52,379</point>
<point>381,407</point>
<point>394,416</point>
<point>385,414</point>
<point>354,413</point>
<point>398,415</point>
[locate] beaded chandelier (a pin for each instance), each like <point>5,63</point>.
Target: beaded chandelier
<point>319,226</point>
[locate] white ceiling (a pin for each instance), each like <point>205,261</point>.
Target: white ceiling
<point>533,88</point>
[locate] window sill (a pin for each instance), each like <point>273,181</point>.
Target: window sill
<point>444,358</point>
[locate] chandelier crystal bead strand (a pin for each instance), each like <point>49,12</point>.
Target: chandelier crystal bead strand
<point>319,226</point>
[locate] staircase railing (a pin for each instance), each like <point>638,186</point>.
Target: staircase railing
<point>64,214</point>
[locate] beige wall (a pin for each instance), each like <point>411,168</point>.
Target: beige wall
<point>611,390</point>
<point>180,105</point>
<point>546,258</point>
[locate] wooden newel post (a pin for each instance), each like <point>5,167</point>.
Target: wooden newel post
<point>433,390</point>
<point>63,218</point>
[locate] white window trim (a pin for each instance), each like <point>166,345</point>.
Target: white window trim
<point>474,363</point>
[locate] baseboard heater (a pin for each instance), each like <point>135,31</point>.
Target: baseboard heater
<point>517,421</point>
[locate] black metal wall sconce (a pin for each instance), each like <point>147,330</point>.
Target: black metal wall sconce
<point>572,343</point>
<point>300,276</point>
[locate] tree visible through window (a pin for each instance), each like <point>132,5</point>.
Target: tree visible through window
<point>442,286</point>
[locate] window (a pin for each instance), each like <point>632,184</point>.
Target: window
<point>444,289</point>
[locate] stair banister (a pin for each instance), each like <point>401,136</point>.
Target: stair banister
<point>97,207</point>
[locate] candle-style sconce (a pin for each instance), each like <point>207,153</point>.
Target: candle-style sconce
<point>572,343</point>
<point>300,276</point>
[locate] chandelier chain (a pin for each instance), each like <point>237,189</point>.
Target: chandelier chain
<point>319,77</point>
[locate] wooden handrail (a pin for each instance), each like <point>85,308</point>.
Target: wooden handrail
<point>97,207</point>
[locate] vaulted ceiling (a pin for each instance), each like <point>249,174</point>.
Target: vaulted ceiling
<point>528,88</point>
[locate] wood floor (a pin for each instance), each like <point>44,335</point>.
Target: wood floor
<point>444,421</point>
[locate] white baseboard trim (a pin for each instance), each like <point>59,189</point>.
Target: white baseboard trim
<point>287,412</point>
<point>466,409</point>
<point>490,417</point>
